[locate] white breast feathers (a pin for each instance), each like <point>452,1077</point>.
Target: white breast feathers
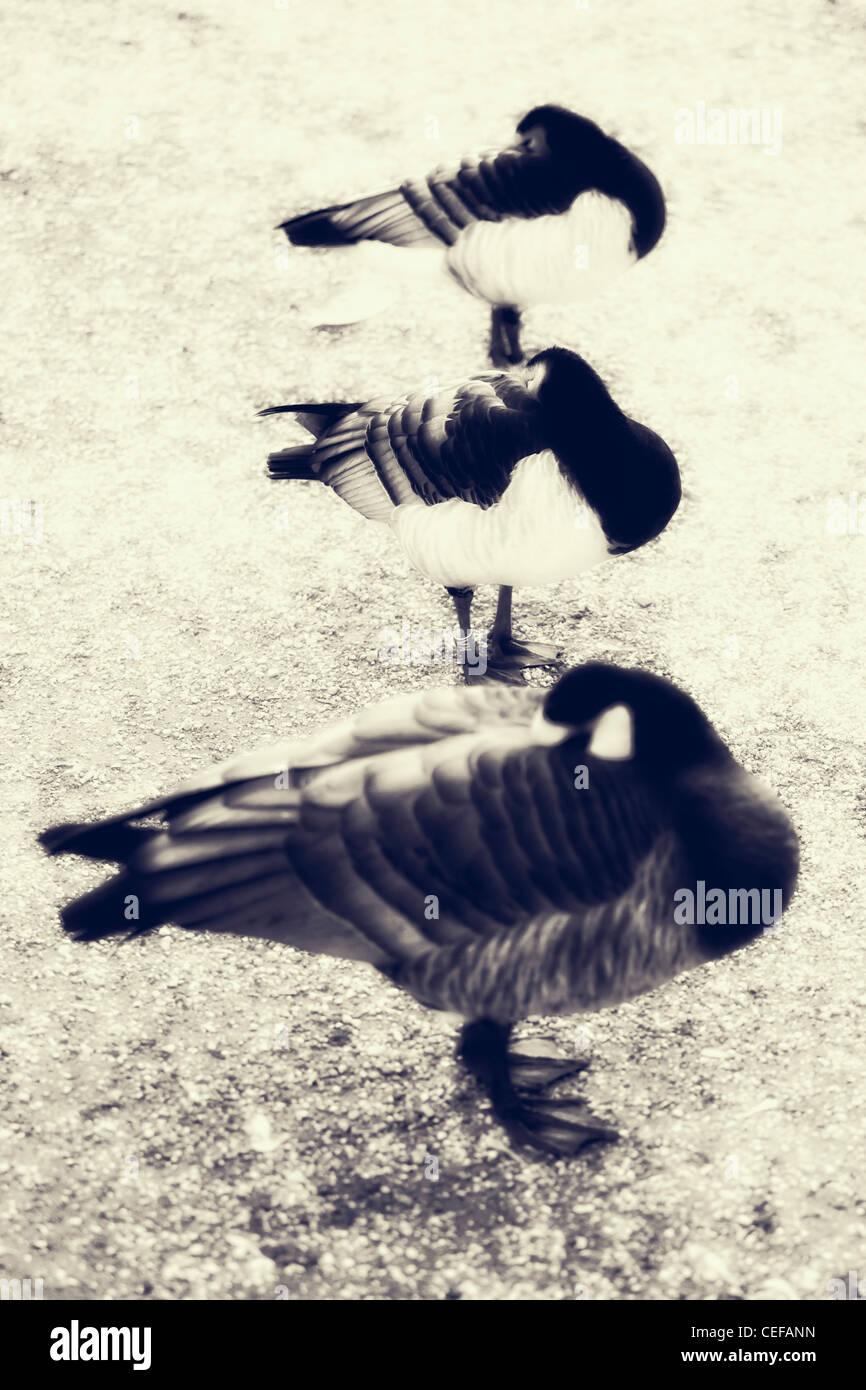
<point>543,260</point>
<point>540,531</point>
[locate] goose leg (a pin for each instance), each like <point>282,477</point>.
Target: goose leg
<point>505,349</point>
<point>474,654</point>
<point>509,1080</point>
<point>505,652</point>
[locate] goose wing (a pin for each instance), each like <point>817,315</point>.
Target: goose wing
<point>387,217</point>
<point>439,836</point>
<point>223,854</point>
<point>433,211</point>
<point>513,183</point>
<point>440,442</point>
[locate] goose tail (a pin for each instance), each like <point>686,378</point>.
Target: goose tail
<point>318,228</point>
<point>318,416</point>
<point>299,461</point>
<point>294,463</point>
<point>231,877</point>
<point>114,907</point>
<point>108,840</point>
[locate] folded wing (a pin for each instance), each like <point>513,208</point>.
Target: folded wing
<point>422,826</point>
<point>438,443</point>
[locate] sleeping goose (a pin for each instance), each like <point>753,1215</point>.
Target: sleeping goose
<point>553,217</point>
<point>494,851</point>
<point>519,477</point>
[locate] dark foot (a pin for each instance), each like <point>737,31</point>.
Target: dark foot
<point>481,663</point>
<point>534,1073</point>
<point>546,1125</point>
<point>510,1078</point>
<point>505,349</point>
<point>509,654</point>
<point>475,662</point>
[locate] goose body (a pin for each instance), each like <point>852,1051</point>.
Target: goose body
<point>540,530</point>
<point>444,839</point>
<point>554,258</point>
<point>526,476</point>
<point>554,217</point>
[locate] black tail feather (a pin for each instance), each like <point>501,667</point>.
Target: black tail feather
<point>299,462</point>
<point>114,907</point>
<point>292,463</point>
<point>328,411</point>
<point>108,840</point>
<point>317,229</point>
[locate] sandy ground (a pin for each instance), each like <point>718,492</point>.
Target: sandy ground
<point>196,1118</point>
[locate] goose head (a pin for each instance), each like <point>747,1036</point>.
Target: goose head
<point>561,135</point>
<point>619,713</point>
<point>734,829</point>
<point>625,472</point>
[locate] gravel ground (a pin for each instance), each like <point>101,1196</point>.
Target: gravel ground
<point>198,1118</point>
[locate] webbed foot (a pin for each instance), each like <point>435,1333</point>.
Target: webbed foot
<point>541,1122</point>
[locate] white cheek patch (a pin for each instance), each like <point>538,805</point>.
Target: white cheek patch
<point>613,735</point>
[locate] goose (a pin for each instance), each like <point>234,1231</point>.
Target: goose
<point>556,216</point>
<point>494,851</point>
<point>524,476</point>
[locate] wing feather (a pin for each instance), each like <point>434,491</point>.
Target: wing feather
<point>438,443</point>
<point>407,834</point>
<point>387,217</point>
